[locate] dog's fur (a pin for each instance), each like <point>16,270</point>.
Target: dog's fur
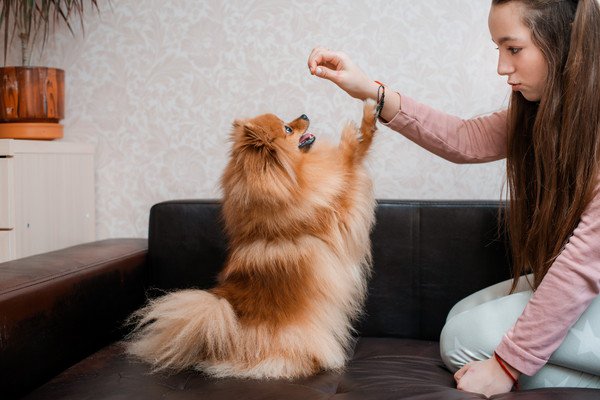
<point>298,222</point>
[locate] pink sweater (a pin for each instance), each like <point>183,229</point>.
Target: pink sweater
<point>572,282</point>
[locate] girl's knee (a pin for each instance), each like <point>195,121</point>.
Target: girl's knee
<point>464,339</point>
<point>473,335</point>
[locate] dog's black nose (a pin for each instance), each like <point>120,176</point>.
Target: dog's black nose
<point>304,117</point>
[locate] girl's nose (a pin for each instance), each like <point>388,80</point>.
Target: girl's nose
<point>505,67</point>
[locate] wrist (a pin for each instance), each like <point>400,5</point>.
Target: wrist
<point>388,102</point>
<point>513,371</point>
<point>508,370</point>
<point>370,91</point>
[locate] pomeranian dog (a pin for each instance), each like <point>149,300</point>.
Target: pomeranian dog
<point>298,216</point>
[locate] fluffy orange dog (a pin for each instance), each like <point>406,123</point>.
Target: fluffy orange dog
<point>298,218</point>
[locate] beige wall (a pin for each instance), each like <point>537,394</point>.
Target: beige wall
<point>155,85</point>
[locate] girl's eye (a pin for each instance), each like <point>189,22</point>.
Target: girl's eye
<point>288,130</point>
<point>512,50</point>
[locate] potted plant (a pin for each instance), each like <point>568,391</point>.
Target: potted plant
<point>32,98</point>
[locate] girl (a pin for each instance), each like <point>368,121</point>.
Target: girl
<point>546,332</point>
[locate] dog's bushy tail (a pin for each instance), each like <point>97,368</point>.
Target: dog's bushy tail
<point>183,328</point>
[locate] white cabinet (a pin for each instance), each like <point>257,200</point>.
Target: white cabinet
<point>46,196</point>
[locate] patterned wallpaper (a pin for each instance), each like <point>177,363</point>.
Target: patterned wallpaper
<point>155,85</point>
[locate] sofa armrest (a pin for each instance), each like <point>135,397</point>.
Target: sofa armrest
<point>57,308</point>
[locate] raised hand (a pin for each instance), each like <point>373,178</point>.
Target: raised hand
<point>337,67</point>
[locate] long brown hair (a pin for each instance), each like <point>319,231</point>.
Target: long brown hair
<point>553,146</point>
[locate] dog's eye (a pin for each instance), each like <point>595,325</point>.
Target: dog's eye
<point>288,130</point>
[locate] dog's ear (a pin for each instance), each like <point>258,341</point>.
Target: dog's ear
<point>255,135</point>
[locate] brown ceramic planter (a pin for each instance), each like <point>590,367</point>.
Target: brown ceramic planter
<point>32,94</point>
<point>32,101</point>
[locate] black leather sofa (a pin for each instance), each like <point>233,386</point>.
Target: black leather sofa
<point>62,313</point>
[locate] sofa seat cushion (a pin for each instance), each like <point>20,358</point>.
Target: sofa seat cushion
<point>381,368</point>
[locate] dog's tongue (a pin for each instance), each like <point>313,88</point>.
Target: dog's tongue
<point>306,140</point>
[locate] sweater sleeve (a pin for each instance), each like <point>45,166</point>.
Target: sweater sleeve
<point>474,140</point>
<point>566,291</point>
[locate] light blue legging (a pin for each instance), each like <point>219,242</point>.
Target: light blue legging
<point>476,324</point>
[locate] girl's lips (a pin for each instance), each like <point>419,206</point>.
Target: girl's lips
<point>515,86</point>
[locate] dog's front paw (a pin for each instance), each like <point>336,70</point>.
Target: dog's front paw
<point>356,141</point>
<point>369,120</point>
<point>370,109</point>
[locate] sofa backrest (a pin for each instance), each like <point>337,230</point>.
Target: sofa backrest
<point>427,255</point>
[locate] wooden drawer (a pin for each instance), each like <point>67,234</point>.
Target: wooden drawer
<point>7,246</point>
<point>7,219</point>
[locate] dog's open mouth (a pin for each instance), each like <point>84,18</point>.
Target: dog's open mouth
<point>306,141</point>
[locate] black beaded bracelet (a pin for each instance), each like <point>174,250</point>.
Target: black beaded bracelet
<point>380,98</point>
